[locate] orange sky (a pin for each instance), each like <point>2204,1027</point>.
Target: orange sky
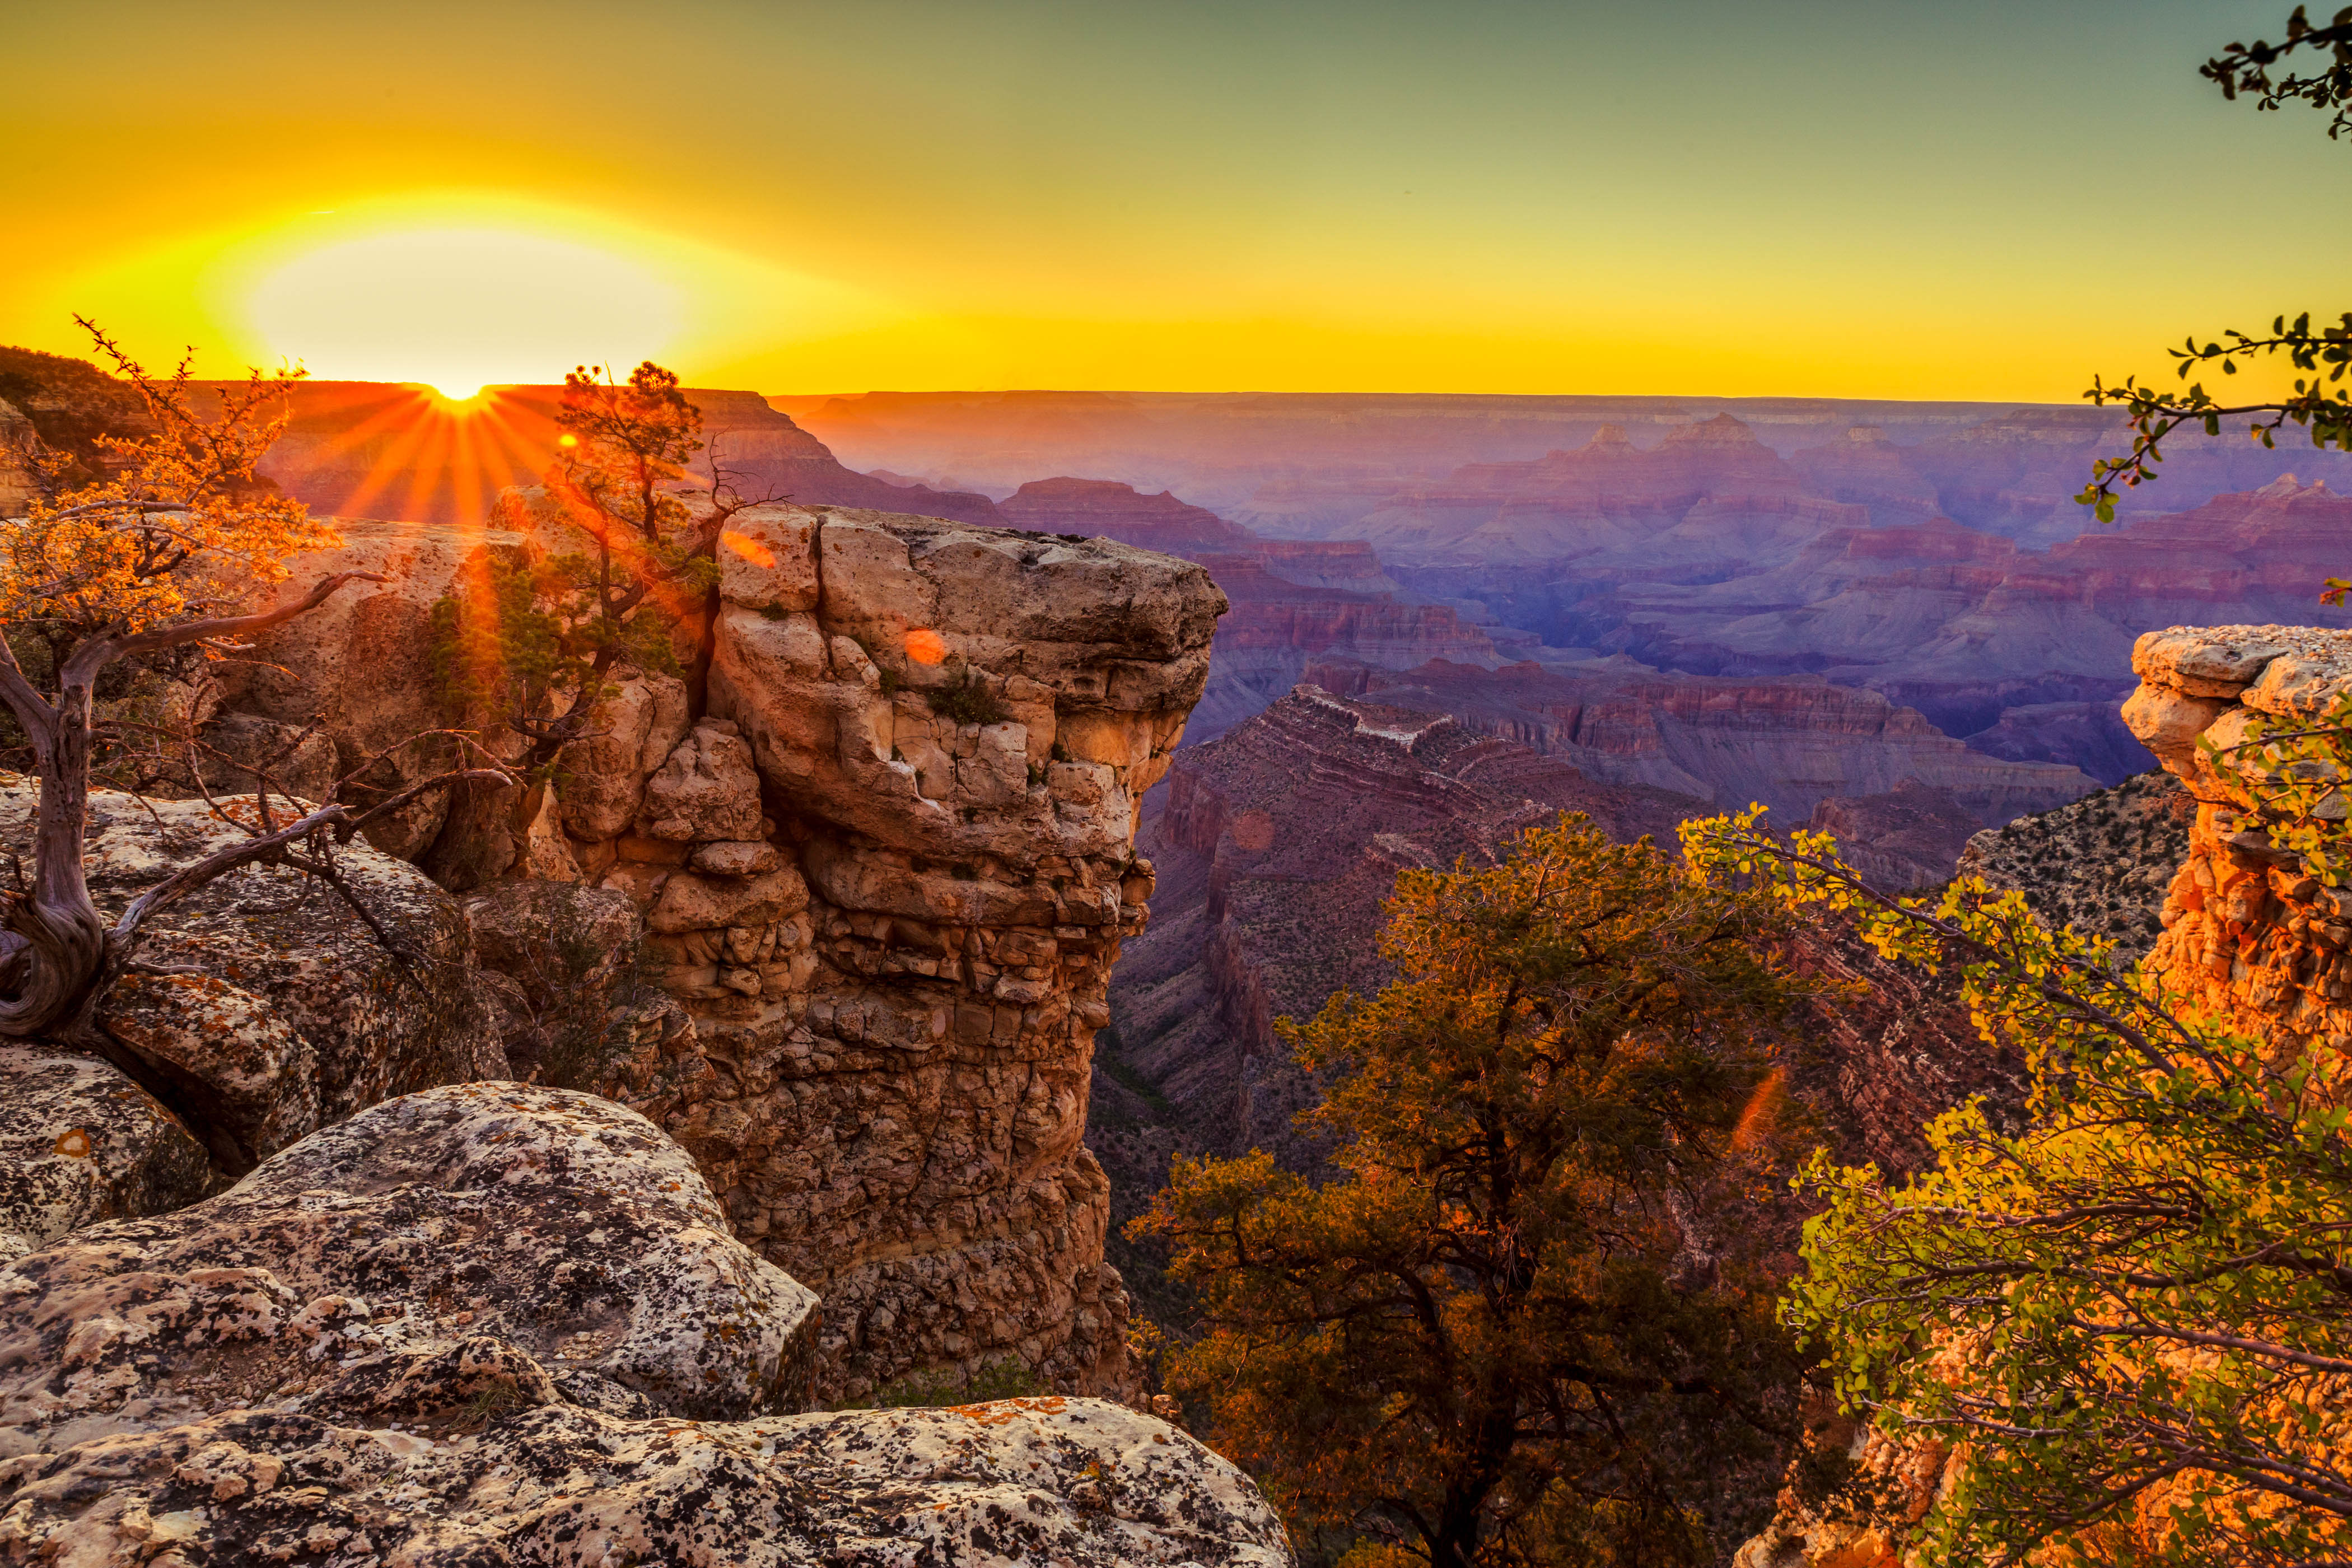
<point>1888,199</point>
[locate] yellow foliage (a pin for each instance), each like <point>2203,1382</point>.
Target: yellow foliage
<point>182,526</point>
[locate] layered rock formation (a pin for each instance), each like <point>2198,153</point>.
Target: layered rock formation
<point>2250,936</point>
<point>501,1324</point>
<point>882,862</point>
<point>1316,464</point>
<point>1789,743</point>
<point>1293,601</point>
<point>1279,630</point>
<point>1907,838</point>
<point>1967,627</point>
<point>1109,509</point>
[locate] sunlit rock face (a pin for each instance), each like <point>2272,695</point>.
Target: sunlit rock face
<point>2250,936</point>
<point>882,850</point>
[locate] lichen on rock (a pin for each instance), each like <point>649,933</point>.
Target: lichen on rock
<point>498,1322</point>
<point>266,1006</point>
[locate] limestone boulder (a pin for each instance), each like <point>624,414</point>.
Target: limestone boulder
<point>548,1244</point>
<point>946,668</point>
<point>278,1008</point>
<point>767,558</point>
<point>491,1322</point>
<point>707,791</point>
<point>81,1143</point>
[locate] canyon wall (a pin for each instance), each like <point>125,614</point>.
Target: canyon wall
<point>1293,601</point>
<point>880,842</point>
<point>1789,743</point>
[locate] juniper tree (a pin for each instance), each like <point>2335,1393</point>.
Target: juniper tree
<point>1530,1321</point>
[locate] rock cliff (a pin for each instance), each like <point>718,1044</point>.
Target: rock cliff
<point>2230,919</point>
<point>2248,935</point>
<point>882,862</point>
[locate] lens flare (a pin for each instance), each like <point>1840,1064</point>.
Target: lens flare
<point>749,548</point>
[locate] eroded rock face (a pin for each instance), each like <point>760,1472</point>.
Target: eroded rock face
<point>290,1012</point>
<point>882,858</point>
<point>2248,935</point>
<point>884,870</point>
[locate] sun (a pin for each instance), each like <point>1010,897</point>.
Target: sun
<point>458,309</point>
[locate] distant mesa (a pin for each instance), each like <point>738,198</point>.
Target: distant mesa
<point>1108,509</point>
<point>1722,430</point>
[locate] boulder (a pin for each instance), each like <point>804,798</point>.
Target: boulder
<point>707,790</point>
<point>83,1143</point>
<point>388,1265</point>
<point>278,1009</point>
<point>520,1478</point>
<point>491,1322</point>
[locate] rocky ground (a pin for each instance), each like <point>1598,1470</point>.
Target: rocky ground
<point>493,1323</point>
<point>2101,865</point>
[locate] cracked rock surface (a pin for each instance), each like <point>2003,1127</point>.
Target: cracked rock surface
<point>1077,1482</point>
<point>480,1241</point>
<point>501,1324</point>
<point>277,1009</point>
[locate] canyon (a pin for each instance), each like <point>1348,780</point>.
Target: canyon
<point>956,882</point>
<point>1930,552</point>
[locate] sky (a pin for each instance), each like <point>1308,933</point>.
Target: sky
<point>1732,197</point>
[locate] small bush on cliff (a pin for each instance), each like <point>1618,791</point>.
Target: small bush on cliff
<point>535,641</point>
<point>1531,1321</point>
<point>2136,1313</point>
<point>968,701</point>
